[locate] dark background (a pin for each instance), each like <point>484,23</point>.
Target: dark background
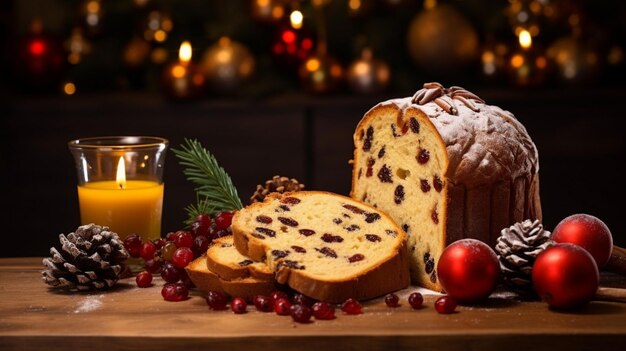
<point>273,126</point>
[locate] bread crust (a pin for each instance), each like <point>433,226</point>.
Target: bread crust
<point>391,275</point>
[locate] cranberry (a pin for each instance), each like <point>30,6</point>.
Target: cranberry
<point>171,236</point>
<point>301,299</point>
<point>144,279</point>
<point>323,310</point>
<point>168,251</point>
<point>147,250</point>
<point>182,257</point>
<point>392,300</point>
<point>202,225</point>
<point>277,295</point>
<point>416,300</point>
<point>263,303</point>
<point>264,219</point>
<point>169,273</point>
<point>216,300</point>
<point>132,244</point>
<point>183,239</point>
<point>223,220</point>
<point>153,265</point>
<point>238,305</point>
<point>200,245</point>
<point>445,305</point>
<point>282,307</point>
<point>300,313</point>
<point>174,292</point>
<point>158,243</point>
<point>351,306</point>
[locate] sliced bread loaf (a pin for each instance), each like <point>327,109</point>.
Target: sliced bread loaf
<point>326,246</point>
<point>224,259</point>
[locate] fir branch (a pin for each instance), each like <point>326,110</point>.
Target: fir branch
<point>213,184</point>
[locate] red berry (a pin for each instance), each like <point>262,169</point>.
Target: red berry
<point>183,239</point>
<point>171,236</point>
<point>323,310</point>
<point>282,307</point>
<point>182,256</point>
<point>153,265</point>
<point>174,292</point>
<point>277,295</point>
<point>301,299</point>
<point>238,305</point>
<point>416,300</point>
<point>202,225</point>
<point>144,279</point>
<point>300,313</point>
<point>216,300</point>
<point>169,273</point>
<point>223,220</point>
<point>263,303</point>
<point>159,243</point>
<point>132,244</point>
<point>168,251</point>
<point>147,250</point>
<point>351,306</point>
<point>392,300</point>
<point>200,245</point>
<point>445,305</point>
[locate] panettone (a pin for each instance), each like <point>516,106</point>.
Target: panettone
<point>445,166</point>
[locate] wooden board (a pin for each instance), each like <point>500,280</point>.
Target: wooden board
<point>130,318</point>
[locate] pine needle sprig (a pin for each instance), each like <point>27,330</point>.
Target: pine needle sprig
<point>213,185</point>
<point>202,206</point>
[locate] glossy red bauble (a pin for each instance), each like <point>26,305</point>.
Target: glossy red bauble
<point>587,232</point>
<point>468,270</point>
<point>565,276</point>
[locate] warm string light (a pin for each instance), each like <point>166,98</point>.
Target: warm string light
<point>525,39</point>
<point>296,18</point>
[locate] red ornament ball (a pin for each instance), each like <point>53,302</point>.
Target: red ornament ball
<point>468,270</point>
<point>588,232</point>
<point>565,276</point>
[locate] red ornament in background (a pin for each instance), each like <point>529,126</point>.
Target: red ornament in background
<point>588,232</point>
<point>565,276</point>
<point>39,60</point>
<point>468,270</point>
<point>292,46</point>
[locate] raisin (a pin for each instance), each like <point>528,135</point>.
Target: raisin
<point>437,183</point>
<point>245,263</point>
<point>415,126</point>
<point>327,251</point>
<point>391,233</point>
<point>423,156</point>
<point>370,165</point>
<point>264,219</point>
<point>393,131</point>
<point>362,134</point>
<point>356,258</point>
<point>288,221</point>
<point>352,227</point>
<point>353,209</point>
<point>371,217</point>
<point>266,231</point>
<point>282,208</point>
<point>258,236</point>
<point>398,195</point>
<point>430,266</point>
<point>306,232</point>
<point>298,249</point>
<point>290,200</point>
<point>369,136</point>
<point>226,245</point>
<point>381,153</point>
<point>385,174</point>
<point>290,264</point>
<point>329,238</point>
<point>345,215</point>
<point>337,221</point>
<point>360,173</point>
<point>433,277</point>
<point>435,216</point>
<point>372,237</point>
<point>424,185</point>
<point>280,253</point>
<point>426,257</point>
<point>405,227</point>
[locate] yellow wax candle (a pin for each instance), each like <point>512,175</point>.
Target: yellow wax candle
<point>134,208</point>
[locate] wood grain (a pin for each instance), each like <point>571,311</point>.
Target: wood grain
<point>129,318</point>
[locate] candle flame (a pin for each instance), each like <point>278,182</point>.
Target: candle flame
<point>184,54</point>
<point>525,39</point>
<point>121,174</point>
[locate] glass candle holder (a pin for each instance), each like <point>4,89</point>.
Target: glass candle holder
<point>120,183</point>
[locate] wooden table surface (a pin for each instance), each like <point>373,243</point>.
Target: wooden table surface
<point>129,318</point>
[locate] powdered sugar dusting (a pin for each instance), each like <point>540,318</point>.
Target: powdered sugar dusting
<point>89,304</point>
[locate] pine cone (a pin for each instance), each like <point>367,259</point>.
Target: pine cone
<point>517,248</point>
<point>277,184</point>
<point>91,258</point>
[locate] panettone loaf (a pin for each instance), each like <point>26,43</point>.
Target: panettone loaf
<point>223,258</point>
<point>445,166</point>
<point>324,245</point>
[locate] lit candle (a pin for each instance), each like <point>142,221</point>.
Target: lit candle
<point>183,79</point>
<point>120,183</point>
